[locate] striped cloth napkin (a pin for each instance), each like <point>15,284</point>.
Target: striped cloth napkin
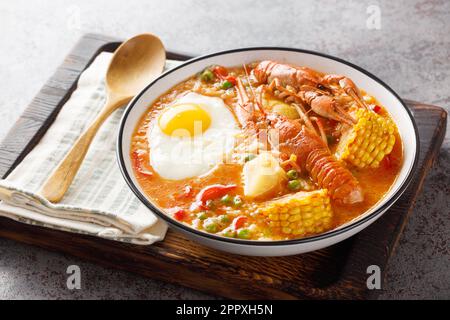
<point>98,203</point>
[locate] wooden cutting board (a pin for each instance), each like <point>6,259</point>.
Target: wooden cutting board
<point>335,272</point>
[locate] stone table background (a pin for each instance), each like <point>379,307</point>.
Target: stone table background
<point>410,51</point>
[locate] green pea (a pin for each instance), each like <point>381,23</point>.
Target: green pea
<point>207,75</point>
<point>243,234</point>
<point>202,216</point>
<point>226,199</point>
<point>224,218</point>
<point>210,227</point>
<point>229,233</point>
<point>226,84</point>
<point>237,201</point>
<point>292,174</point>
<point>249,157</point>
<point>294,185</point>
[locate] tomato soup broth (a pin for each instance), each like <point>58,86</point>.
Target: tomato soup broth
<point>232,213</point>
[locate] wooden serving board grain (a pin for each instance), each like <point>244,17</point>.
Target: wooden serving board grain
<point>337,272</point>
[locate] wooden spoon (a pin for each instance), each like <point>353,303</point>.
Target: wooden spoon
<point>135,64</point>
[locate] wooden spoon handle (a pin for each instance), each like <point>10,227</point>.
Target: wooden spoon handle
<point>61,178</point>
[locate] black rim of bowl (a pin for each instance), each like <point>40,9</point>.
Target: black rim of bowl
<point>178,225</point>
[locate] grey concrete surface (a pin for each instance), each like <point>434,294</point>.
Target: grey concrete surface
<point>410,51</point>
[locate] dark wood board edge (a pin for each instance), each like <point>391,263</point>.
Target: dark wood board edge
<point>79,58</point>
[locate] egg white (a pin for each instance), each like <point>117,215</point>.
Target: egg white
<point>176,158</point>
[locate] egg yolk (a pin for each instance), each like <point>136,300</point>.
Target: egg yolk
<point>183,120</point>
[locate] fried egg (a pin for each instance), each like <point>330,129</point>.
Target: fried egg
<point>191,136</point>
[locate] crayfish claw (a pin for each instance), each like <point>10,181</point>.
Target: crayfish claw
<point>352,90</point>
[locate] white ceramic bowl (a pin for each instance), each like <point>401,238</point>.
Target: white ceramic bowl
<point>388,98</point>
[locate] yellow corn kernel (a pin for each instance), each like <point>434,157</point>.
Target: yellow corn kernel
<point>300,214</point>
<point>286,230</point>
<point>274,216</point>
<point>368,141</point>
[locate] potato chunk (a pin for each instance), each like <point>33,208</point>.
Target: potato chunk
<point>262,175</point>
<point>281,108</point>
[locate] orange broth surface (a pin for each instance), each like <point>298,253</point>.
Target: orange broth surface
<point>173,195</point>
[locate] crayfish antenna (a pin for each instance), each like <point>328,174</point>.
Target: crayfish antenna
<point>258,101</point>
<point>303,115</point>
<point>245,111</point>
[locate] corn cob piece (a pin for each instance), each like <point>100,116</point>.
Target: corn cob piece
<point>302,213</point>
<point>368,141</point>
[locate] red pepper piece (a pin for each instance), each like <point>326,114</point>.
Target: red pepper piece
<point>376,109</point>
<point>238,222</point>
<point>231,79</point>
<point>179,214</point>
<point>213,192</point>
<point>220,72</point>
